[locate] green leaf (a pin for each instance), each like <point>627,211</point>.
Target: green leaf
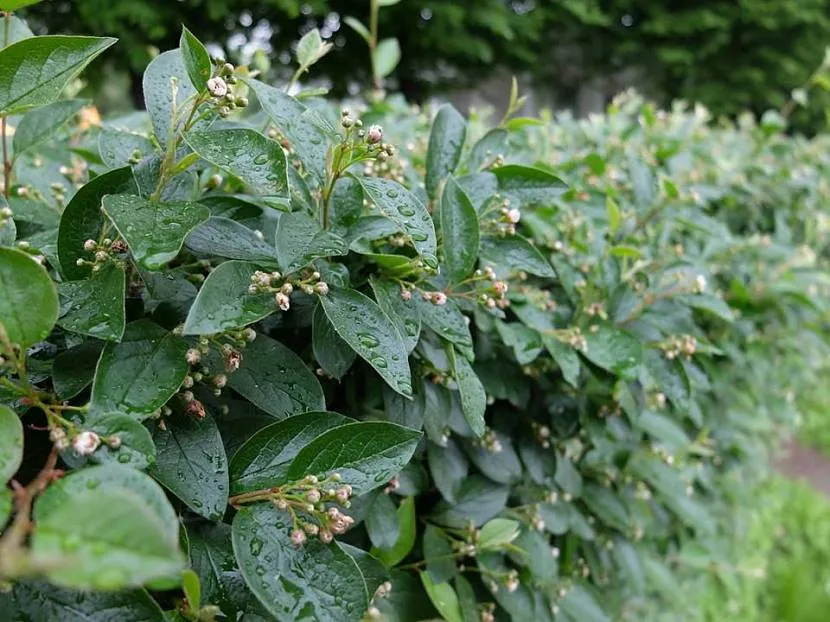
<point>566,357</point>
<point>446,141</point>
<point>104,539</point>
<point>276,380</point>
<point>386,57</point>
<point>18,29</point>
<point>13,5</point>
<point>82,220</point>
<point>300,240</point>
<point>498,532</point>
<point>6,505</point>
<point>196,62</point>
<point>580,604</point>
<point>484,152</point>
<point>263,460</point>
<point>438,555</point>
<point>467,599</point>
<point>8,230</point>
<point>154,232</point>
<point>28,298</point>
<point>211,557</point>
<point>528,186</point>
<point>223,302</point>
<point>407,523</point>
<point>366,454</point>
<point>139,375</point>
<point>40,124</point>
<point>614,214</point>
<point>626,251</point>
<point>311,48</point>
<point>473,396</point>
<point>191,463</point>
<point>362,324</point>
<point>159,97</point>
<point>136,447</point>
<point>448,467</point>
<point>223,237</point>
<point>119,148</point>
<point>95,306</point>
<point>404,313</point>
<point>373,571</point>
<point>11,443</point>
<point>111,477</point>
<point>74,369</point>
<point>460,231</point>
<point>446,320</point>
<point>382,523</point>
<point>332,353</point>
<point>614,350</point>
<point>358,27</point>
<point>34,71</point>
<point>309,141</point>
<point>192,588</point>
<point>313,582</point>
<point>515,253</point>
<point>403,208</point>
<point>42,601</point>
<point>256,160</point>
<point>710,304</point>
<point>477,501</point>
<point>444,598</point>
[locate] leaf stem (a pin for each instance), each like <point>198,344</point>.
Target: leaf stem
<point>7,164</point>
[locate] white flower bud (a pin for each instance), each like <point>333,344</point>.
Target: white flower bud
<point>298,537</point>
<point>86,443</point>
<point>217,87</point>
<point>193,356</point>
<point>322,288</point>
<point>283,301</point>
<point>513,215</point>
<point>374,134</point>
<point>439,298</point>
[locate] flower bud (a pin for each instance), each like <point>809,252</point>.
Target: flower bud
<point>326,536</point>
<point>217,87</point>
<point>321,288</point>
<point>86,443</point>
<point>193,356</point>
<point>374,134</point>
<point>90,245</point>
<point>298,537</point>
<point>283,301</point>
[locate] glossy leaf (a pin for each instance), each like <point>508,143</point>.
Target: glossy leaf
<point>300,240</point>
<point>135,445</point>
<point>11,443</point>
<point>407,532</point>
<point>488,147</point>
<point>460,231</point>
<point>139,375</point>
<point>444,598</point>
<point>191,463</point>
<point>275,379</point>
<point>438,555</point>
<point>223,237</point>
<point>403,208</point>
<point>39,125</point>
<point>515,253</point>
<point>334,355</point>
<point>264,459</point>
<point>313,582</point>
<point>446,140</point>
<point>154,232</point>
<point>82,219</point>
<point>255,159</point>
<point>498,532</point>
<point>196,60</point>
<point>448,467</point>
<point>366,454</point>
<point>223,302</point>
<point>404,313</point>
<point>528,186</point>
<point>95,306</point>
<point>446,320</point>
<point>34,71</point>
<point>119,148</point>
<point>370,332</point>
<point>614,350</point>
<point>382,523</point>
<point>38,600</point>
<point>74,369</point>
<point>477,501</point>
<point>28,298</point>
<point>473,396</point>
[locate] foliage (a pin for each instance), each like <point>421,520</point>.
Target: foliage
<point>301,366</point>
<point>730,57</point>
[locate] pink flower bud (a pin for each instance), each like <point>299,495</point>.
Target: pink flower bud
<point>298,537</point>
<point>90,245</point>
<point>374,134</point>
<point>439,298</point>
<point>283,301</point>
<point>321,288</point>
<point>326,536</point>
<point>513,215</point>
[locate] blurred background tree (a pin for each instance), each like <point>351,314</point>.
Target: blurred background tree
<point>731,55</point>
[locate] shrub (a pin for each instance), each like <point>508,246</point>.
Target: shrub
<point>309,363</point>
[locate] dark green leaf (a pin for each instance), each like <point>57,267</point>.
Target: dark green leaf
<point>448,467</point>
<point>566,357</point>
<point>515,253</point>
<point>223,237</point>
<point>407,532</point>
<point>275,379</point>
<point>373,571</point>
<point>404,313</point>
<point>28,298</point>
<point>460,231</point>
<point>119,148</point>
<point>473,397</point>
<point>82,219</point>
<point>446,140</point>
<point>405,209</point>
<point>247,154</point>
<point>580,605</point>
<point>366,454</point>
<point>135,449</point>
<point>476,502</point>
<point>300,240</point>
<point>223,302</point>
<point>139,375</point>
<point>196,61</point>
<point>489,146</point>
<point>308,583</point>
<point>264,459</point>
<point>382,522</point>
<point>34,71</point>
<point>211,557</point>
<point>191,463</point>
<point>40,124</point>
<point>74,369</point>
<point>614,350</point>
<point>370,332</point>
<point>528,186</point>
<point>334,355</point>
<point>438,555</point>
<point>95,306</point>
<point>154,232</point>
<point>502,466</point>
<point>42,601</point>
<point>446,320</point>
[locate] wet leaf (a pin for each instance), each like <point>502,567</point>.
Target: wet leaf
<point>95,306</point>
<point>28,298</point>
<point>446,140</point>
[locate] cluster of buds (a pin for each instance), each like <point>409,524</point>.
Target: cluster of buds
<point>5,216</point>
<point>597,309</point>
<point>509,580</point>
<point>75,173</point>
<point>384,589</point>
<point>102,252</point>
<point>510,217</point>
<point>575,339</point>
<point>487,613</point>
<point>492,292</point>
<point>436,298</point>
<point>642,491</point>
<point>282,288</point>
<point>675,347</point>
<point>542,434</point>
<point>58,190</point>
<point>490,441</point>
<point>220,87</point>
<point>135,157</point>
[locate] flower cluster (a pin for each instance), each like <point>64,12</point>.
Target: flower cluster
<point>220,87</point>
<point>282,287</point>
<point>685,345</point>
